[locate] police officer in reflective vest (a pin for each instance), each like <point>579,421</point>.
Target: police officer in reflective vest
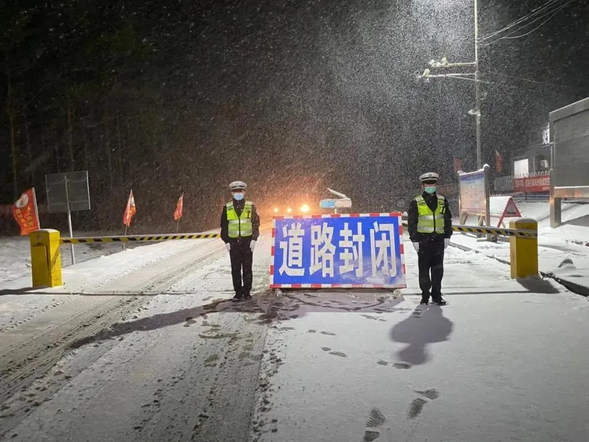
<point>240,228</point>
<point>430,228</point>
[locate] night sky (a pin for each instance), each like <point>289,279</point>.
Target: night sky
<point>289,96</point>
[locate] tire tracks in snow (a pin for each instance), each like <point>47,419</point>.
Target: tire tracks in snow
<point>31,350</point>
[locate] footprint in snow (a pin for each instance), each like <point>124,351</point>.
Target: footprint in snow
<point>416,408</point>
<point>373,425</point>
<point>402,365</point>
<point>338,353</point>
<point>334,353</point>
<point>430,393</point>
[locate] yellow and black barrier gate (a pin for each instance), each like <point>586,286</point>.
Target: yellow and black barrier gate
<point>135,238</point>
<point>518,233</point>
<point>523,244</point>
<point>46,259</point>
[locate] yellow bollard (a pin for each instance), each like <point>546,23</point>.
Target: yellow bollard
<point>45,258</point>
<point>524,251</point>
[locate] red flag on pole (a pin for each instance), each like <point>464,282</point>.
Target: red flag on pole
<point>498,162</point>
<point>25,212</point>
<point>130,210</point>
<point>457,165</point>
<point>179,208</point>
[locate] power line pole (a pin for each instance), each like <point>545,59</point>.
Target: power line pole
<point>476,85</point>
<point>464,76</point>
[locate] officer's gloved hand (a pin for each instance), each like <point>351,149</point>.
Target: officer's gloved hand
<point>446,242</point>
<point>228,246</point>
<point>252,245</point>
<point>416,246</point>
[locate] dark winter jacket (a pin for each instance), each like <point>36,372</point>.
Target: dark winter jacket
<point>239,205</point>
<point>412,218</point>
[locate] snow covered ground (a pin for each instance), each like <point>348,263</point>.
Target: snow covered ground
<point>15,254</point>
<point>567,242</point>
<point>19,303</point>
<point>146,347</point>
<point>154,370</point>
<point>488,367</point>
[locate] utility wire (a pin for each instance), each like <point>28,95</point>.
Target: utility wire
<point>466,78</point>
<point>528,80</point>
<point>539,10</point>
<point>507,37</point>
<point>536,14</point>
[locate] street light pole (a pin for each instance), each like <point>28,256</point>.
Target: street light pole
<point>444,64</point>
<point>476,85</point>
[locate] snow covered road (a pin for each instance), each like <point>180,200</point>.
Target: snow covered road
<point>142,346</point>
<point>152,375</point>
<point>504,361</point>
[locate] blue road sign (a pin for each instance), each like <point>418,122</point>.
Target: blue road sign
<point>338,251</point>
<point>327,204</point>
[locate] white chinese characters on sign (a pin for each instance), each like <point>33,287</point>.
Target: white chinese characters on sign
<point>331,249</point>
<point>382,249</point>
<point>352,250</point>
<point>322,250</point>
<point>292,251</point>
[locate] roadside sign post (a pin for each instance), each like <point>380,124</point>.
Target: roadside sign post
<point>66,193</point>
<point>69,217</point>
<point>474,195</point>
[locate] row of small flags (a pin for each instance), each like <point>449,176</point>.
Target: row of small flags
<point>26,214</point>
<point>131,210</point>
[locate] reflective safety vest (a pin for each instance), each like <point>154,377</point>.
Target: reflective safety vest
<point>240,226</point>
<point>428,221</point>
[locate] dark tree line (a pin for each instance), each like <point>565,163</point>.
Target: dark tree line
<point>97,86</point>
<point>288,95</point>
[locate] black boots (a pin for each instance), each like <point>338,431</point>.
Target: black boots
<point>242,297</point>
<point>437,300</point>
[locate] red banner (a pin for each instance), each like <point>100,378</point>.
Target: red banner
<point>25,212</point>
<point>130,210</point>
<point>532,184</point>
<point>179,208</point>
<point>498,162</point>
<point>457,165</point>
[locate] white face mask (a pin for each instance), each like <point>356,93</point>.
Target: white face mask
<point>238,196</point>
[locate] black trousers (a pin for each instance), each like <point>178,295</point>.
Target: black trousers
<point>241,260</point>
<point>431,259</point>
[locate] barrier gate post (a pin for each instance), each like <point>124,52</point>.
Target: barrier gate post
<point>524,250</point>
<point>45,258</point>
